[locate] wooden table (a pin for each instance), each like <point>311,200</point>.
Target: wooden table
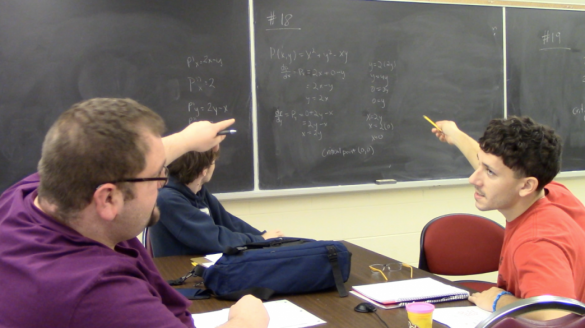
<point>327,305</point>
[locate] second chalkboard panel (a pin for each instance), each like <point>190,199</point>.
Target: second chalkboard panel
<point>342,88</point>
<point>546,74</point>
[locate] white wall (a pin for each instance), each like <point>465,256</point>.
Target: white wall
<point>387,222</point>
<point>575,2</point>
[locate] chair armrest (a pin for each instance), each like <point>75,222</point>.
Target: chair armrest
<point>531,304</point>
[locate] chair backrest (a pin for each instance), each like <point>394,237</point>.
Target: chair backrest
<point>147,242</point>
<point>460,244</point>
<point>506,316</point>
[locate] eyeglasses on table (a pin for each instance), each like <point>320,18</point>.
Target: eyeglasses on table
<point>390,267</point>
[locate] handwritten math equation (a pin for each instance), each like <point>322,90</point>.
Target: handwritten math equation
<point>287,73</point>
<point>380,80</point>
<point>312,117</point>
<point>311,121</point>
<point>320,75</point>
<point>378,126</point>
<point>195,62</point>
<point>201,87</point>
<point>291,56</point>
<point>380,74</point>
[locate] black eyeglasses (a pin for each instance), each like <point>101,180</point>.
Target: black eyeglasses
<point>163,178</point>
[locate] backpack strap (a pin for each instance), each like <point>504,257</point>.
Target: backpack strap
<point>332,254</point>
<point>197,271</point>
<point>262,293</point>
<point>273,242</point>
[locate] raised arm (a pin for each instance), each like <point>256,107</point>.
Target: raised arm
<point>197,136</point>
<point>452,135</point>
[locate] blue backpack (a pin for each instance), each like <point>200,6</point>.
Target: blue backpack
<point>278,266</point>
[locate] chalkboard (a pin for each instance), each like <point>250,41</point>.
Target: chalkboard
<point>546,74</point>
<point>342,87</point>
<point>187,60</point>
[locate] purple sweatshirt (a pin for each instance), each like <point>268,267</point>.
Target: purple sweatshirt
<point>51,276</point>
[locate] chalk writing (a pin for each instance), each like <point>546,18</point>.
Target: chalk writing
<point>320,98</point>
<point>284,19</point>
<point>192,107</point>
<point>313,129</point>
<point>192,61</point>
<point>310,122</point>
<point>381,102</point>
<point>202,107</point>
<point>197,84</point>
<point>579,110</point>
<point>377,122</point>
<point>382,64</point>
<point>315,86</point>
<point>376,77</point>
<point>383,89</point>
<point>280,115</point>
<point>339,151</point>
<point>288,73</point>
<point>308,54</point>
<point>379,72</point>
<point>551,37</point>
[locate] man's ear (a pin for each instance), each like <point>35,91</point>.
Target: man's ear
<point>204,173</point>
<point>108,199</point>
<point>529,186</point>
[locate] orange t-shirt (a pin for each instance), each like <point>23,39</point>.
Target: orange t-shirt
<point>544,248</point>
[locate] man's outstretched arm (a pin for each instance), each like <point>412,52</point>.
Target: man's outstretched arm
<point>451,134</point>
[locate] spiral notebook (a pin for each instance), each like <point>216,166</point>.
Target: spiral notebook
<point>406,291</point>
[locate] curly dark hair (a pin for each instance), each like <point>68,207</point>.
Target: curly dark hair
<point>189,166</point>
<point>528,148</point>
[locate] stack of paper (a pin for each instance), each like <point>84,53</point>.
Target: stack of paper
<point>394,294</point>
<point>283,314</point>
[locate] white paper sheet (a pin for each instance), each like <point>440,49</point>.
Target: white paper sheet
<point>213,257</point>
<point>460,317</point>
<point>283,314</point>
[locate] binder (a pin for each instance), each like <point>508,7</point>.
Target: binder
<point>395,294</point>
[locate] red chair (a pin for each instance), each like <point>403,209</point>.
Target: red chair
<point>506,317</point>
<point>461,244</point>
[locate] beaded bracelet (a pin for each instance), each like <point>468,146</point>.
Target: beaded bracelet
<point>498,298</point>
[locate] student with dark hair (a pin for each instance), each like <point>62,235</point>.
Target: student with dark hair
<point>192,220</point>
<point>543,253</point>
<point>69,256</point>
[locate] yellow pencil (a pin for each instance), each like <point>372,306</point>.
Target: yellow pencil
<point>407,265</point>
<point>433,123</point>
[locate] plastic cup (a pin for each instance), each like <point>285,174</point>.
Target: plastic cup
<point>394,266</point>
<point>420,315</point>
